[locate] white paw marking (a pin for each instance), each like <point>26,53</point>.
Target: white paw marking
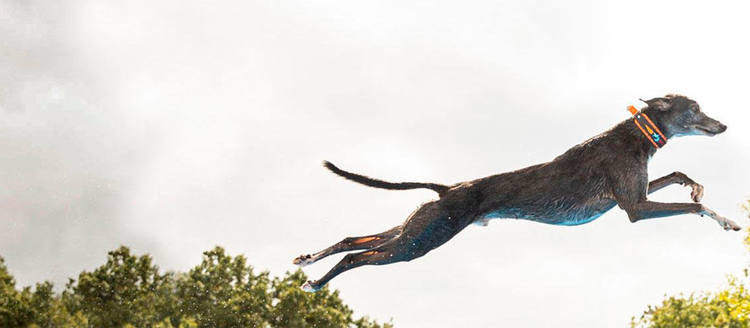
<point>308,287</point>
<point>697,193</point>
<point>725,223</point>
<point>304,260</point>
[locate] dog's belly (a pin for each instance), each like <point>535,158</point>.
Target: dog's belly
<point>557,213</point>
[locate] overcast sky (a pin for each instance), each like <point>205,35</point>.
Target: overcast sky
<point>175,126</point>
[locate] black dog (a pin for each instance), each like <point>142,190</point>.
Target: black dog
<point>575,188</point>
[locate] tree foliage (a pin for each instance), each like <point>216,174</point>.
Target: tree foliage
<point>130,291</point>
<point>728,307</point>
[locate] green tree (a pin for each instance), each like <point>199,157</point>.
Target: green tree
<point>729,307</point>
<point>24,308</point>
<point>127,290</point>
<point>49,311</point>
<point>296,308</point>
<point>223,292</point>
<point>130,291</point>
<point>15,310</point>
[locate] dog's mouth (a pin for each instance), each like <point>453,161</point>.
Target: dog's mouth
<point>706,131</point>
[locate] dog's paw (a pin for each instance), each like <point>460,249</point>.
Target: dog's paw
<point>303,260</point>
<point>729,225</point>
<point>308,287</point>
<point>697,193</point>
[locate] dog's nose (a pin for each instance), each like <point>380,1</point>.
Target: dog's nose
<point>722,128</point>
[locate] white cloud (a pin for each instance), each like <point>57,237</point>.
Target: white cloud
<point>178,127</point>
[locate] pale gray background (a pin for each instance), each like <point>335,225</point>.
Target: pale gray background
<point>174,126</point>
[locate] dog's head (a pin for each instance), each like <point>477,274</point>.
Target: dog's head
<point>682,116</point>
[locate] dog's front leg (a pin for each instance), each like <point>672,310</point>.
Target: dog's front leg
<point>677,177</point>
<point>630,192</point>
<point>649,210</point>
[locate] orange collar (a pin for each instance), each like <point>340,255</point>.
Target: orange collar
<point>649,129</point>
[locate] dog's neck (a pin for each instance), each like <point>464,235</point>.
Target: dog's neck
<point>657,118</point>
<point>649,128</point>
<point>640,143</point>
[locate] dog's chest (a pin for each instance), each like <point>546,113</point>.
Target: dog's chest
<point>562,211</point>
<point>577,214</point>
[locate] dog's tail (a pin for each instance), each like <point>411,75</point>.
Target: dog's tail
<point>367,181</point>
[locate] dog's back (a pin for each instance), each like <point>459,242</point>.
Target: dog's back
<point>574,188</point>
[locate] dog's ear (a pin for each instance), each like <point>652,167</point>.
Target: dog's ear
<point>659,103</point>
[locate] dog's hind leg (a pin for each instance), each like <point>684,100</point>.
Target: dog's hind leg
<point>427,228</point>
<point>349,244</point>
<point>378,256</point>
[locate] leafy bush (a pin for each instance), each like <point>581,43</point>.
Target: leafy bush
<point>729,307</point>
<point>130,291</point>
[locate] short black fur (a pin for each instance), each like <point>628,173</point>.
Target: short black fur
<point>608,170</point>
